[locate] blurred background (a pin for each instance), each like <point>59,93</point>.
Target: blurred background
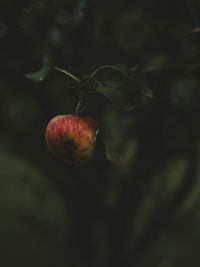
<point>137,203</point>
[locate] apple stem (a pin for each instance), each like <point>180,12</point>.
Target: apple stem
<point>81,105</point>
<point>78,108</point>
<point>67,73</point>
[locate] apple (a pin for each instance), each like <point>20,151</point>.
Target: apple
<point>72,138</point>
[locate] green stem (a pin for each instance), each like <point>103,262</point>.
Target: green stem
<point>67,73</point>
<point>100,68</point>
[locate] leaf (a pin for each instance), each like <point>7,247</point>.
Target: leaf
<point>158,62</point>
<point>120,148</point>
<point>19,189</point>
<point>41,74</point>
<point>116,96</point>
<point>121,68</point>
<point>117,161</point>
<point>30,208</point>
<point>124,87</point>
<point>47,57</point>
<point>146,91</point>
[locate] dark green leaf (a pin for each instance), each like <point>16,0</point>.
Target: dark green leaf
<point>116,159</point>
<point>121,68</point>
<point>40,75</point>
<point>47,57</point>
<point>146,91</point>
<point>124,88</point>
<point>115,95</point>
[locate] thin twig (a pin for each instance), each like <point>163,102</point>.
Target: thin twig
<point>67,73</point>
<point>100,68</point>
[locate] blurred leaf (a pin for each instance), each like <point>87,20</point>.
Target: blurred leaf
<point>41,74</point>
<point>192,200</point>
<point>131,30</point>
<point>195,30</point>
<point>190,46</point>
<point>117,161</point>
<point>175,247</point>
<point>130,149</point>
<point>172,177</point>
<point>144,215</point>
<point>120,147</point>
<point>47,57</point>
<point>157,62</point>
<point>23,189</point>
<point>122,68</point>
<point>167,181</point>
<point>184,92</point>
<point>145,91</point>
<point>32,214</point>
<point>124,88</point>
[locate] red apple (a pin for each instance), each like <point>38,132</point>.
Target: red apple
<point>72,138</point>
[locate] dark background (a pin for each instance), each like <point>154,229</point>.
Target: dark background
<point>104,214</point>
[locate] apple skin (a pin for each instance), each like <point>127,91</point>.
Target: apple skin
<point>72,138</point>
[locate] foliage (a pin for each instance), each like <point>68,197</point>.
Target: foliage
<point>136,66</point>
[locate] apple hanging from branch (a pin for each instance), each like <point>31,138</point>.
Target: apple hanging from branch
<point>72,138</point>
